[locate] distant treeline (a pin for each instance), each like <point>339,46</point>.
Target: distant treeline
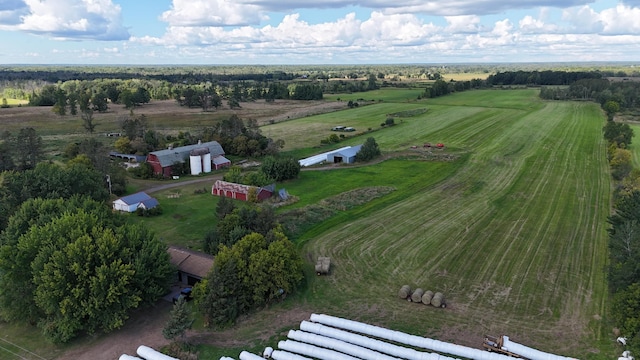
<point>538,78</point>
<point>621,95</point>
<point>54,76</point>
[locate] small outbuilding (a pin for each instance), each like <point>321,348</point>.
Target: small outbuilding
<point>130,203</point>
<point>192,266</point>
<point>241,191</point>
<point>220,162</point>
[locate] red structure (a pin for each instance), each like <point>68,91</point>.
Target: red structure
<point>162,160</point>
<point>240,191</point>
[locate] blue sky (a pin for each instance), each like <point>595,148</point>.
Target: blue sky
<point>317,32</point>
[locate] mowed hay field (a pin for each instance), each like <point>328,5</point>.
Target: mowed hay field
<point>515,239</point>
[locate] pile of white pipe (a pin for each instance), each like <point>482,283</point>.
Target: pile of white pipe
<point>328,337</point>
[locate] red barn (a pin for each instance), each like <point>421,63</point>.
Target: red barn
<point>162,160</point>
<point>240,191</point>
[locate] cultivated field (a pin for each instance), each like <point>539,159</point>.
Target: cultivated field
<point>513,232</point>
<point>516,239</point>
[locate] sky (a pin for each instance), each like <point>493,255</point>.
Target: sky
<point>299,32</point>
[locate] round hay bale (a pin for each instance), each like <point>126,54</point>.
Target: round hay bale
<point>437,300</point>
<point>405,292</point>
<point>426,297</point>
<point>417,295</point>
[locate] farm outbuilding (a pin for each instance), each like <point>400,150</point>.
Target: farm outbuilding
<point>241,191</point>
<point>347,156</point>
<point>220,162</point>
<point>131,202</point>
<point>192,266</point>
<point>204,155</point>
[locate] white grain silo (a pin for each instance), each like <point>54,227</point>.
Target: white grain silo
<point>200,160</point>
<point>206,162</point>
<point>196,164</point>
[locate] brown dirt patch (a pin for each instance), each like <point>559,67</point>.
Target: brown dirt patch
<point>263,112</point>
<point>143,328</point>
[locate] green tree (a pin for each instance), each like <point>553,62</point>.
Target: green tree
<point>99,102</point>
<point>234,175</point>
<point>6,158</point>
<point>611,108</point>
<point>29,148</point>
<point>48,181</point>
<point>87,121</point>
<point>625,309</point>
<point>81,272</point>
<point>619,133</point>
<point>621,164</point>
<point>280,168</point>
<point>225,207</point>
<point>217,295</point>
<point>253,272</point>
<point>368,151</point>
<point>372,82</point>
<point>179,320</point>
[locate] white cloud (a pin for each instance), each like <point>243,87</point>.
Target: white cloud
<point>388,37</point>
<point>463,24</point>
<point>445,8</point>
<point>68,19</point>
<point>212,13</point>
<point>619,20</point>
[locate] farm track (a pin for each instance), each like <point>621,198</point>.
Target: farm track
<point>516,239</point>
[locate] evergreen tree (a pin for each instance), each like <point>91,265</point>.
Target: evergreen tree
<point>179,320</point>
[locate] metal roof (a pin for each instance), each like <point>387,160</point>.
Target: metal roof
<point>149,203</point>
<point>168,157</point>
<point>135,198</point>
<point>348,152</point>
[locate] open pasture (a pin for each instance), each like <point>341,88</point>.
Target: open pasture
<point>515,239</point>
<point>384,94</point>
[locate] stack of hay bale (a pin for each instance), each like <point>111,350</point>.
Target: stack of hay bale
<point>421,296</point>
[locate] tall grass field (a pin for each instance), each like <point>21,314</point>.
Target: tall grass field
<point>515,237</point>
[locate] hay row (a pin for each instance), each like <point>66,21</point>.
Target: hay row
<point>420,296</point>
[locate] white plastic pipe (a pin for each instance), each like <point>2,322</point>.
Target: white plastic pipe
<point>148,353</point>
<point>529,353</point>
<point>403,338</point>
<point>338,345</point>
<point>267,352</point>
<point>373,344</point>
<point>245,355</point>
<point>284,355</point>
<point>313,351</point>
<point>128,357</point>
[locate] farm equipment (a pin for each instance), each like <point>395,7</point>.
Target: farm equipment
<point>323,265</point>
<point>495,344</point>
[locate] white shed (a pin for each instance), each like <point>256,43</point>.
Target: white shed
<point>131,202</point>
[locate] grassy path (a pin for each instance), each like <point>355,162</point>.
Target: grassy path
<point>516,239</point>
